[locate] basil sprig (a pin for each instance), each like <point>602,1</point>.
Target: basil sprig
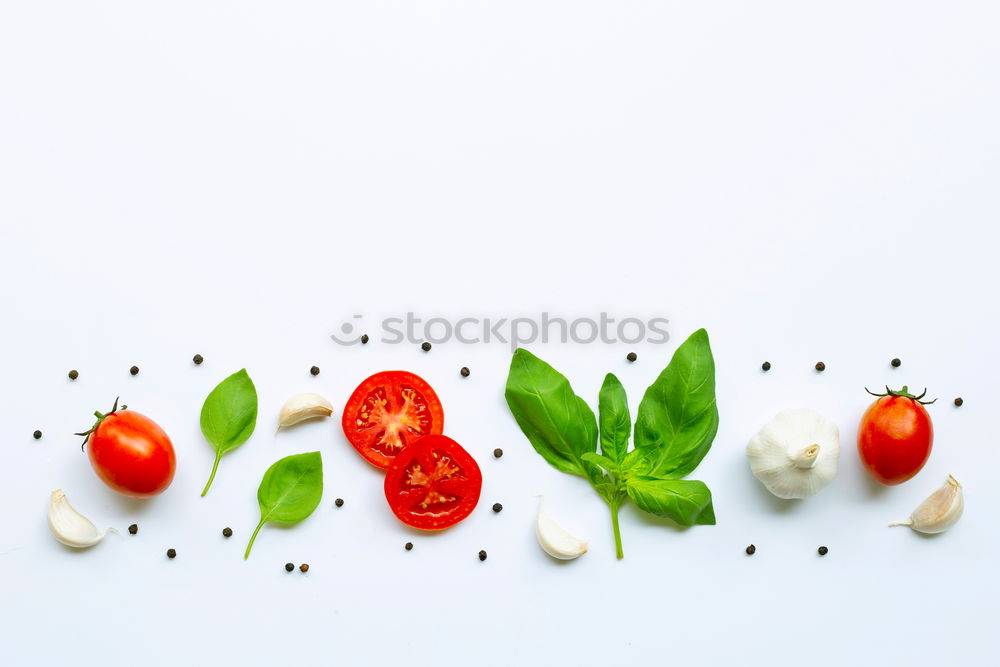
<point>229,416</point>
<point>674,429</point>
<point>290,491</point>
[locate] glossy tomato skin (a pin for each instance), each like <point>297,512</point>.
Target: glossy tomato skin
<point>895,439</point>
<point>387,412</point>
<point>433,483</point>
<point>132,454</point>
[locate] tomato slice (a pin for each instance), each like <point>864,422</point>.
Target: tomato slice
<point>387,412</point>
<point>433,483</point>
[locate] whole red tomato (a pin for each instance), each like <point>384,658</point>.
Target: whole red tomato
<point>895,436</point>
<point>131,453</point>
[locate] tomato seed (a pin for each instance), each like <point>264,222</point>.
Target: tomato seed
<point>339,502</point>
<point>364,339</point>
<point>134,370</point>
<point>482,554</point>
<point>822,551</point>
<point>896,363</point>
<point>766,366</point>
<point>425,346</point>
<point>289,567</point>
<point>74,374</point>
<point>304,567</point>
<point>497,453</point>
<point>631,356</point>
<point>497,507</point>
<point>37,435</point>
<point>408,546</point>
<point>133,529</point>
<point>958,402</point>
<point>751,550</point>
<point>197,359</point>
<point>314,370</point>
<point>465,371</point>
<point>171,553</point>
<point>227,532</point>
<point>820,366</point>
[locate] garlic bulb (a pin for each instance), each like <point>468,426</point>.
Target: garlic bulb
<point>69,526</point>
<point>796,453</point>
<point>302,407</point>
<point>939,512</point>
<point>554,539</point>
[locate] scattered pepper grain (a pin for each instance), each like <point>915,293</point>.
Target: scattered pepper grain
<point>37,435</point>
<point>364,339</point>
<point>465,371</point>
<point>958,402</point>
<point>304,567</point>
<point>766,366</point>
<point>822,551</point>
<point>820,366</point>
<point>74,374</point>
<point>171,553</point>
<point>227,532</point>
<point>314,370</point>
<point>631,356</point>
<point>408,546</point>
<point>896,363</point>
<point>425,346</point>
<point>133,529</point>
<point>339,502</point>
<point>497,507</point>
<point>197,359</point>
<point>497,453</point>
<point>751,550</point>
<point>134,370</point>
<point>289,567</point>
<point>482,554</point>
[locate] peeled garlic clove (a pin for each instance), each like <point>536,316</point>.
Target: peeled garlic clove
<point>939,512</point>
<point>554,539</point>
<point>69,526</point>
<point>796,454</point>
<point>302,407</point>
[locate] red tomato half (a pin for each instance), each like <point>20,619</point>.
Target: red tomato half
<point>132,454</point>
<point>387,412</point>
<point>895,437</point>
<point>433,483</point>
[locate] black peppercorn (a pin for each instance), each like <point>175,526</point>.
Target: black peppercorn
<point>314,370</point>
<point>497,453</point>
<point>497,507</point>
<point>171,553</point>
<point>74,374</point>
<point>304,567</point>
<point>133,529</point>
<point>482,554</point>
<point>465,371</point>
<point>408,546</point>
<point>37,435</point>
<point>289,567</point>
<point>198,359</point>
<point>134,370</point>
<point>820,366</point>
<point>631,356</point>
<point>425,346</point>
<point>896,363</point>
<point>958,402</point>
<point>766,366</point>
<point>822,551</point>
<point>227,532</point>
<point>751,550</point>
<point>339,502</point>
<point>364,339</point>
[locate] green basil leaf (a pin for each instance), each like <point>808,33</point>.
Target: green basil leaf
<point>685,501</point>
<point>678,417</point>
<point>616,423</point>
<point>290,491</point>
<point>600,460</point>
<point>557,422</point>
<point>229,416</point>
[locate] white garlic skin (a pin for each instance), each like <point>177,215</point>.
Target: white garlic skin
<point>796,454</point>
<point>939,512</point>
<point>70,527</point>
<point>302,407</point>
<point>555,540</point>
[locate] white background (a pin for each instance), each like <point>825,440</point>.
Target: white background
<point>237,179</point>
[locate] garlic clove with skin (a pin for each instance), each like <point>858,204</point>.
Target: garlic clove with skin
<point>939,512</point>
<point>69,526</point>
<point>795,454</point>
<point>302,407</point>
<point>555,540</point>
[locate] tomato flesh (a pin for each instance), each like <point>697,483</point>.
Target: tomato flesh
<point>387,412</point>
<point>895,439</point>
<point>132,454</point>
<point>433,483</point>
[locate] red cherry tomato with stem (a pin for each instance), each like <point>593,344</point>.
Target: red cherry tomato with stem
<point>433,483</point>
<point>895,436</point>
<point>130,453</point>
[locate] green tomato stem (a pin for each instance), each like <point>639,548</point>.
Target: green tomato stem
<point>215,466</point>
<point>618,533</point>
<point>252,538</point>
